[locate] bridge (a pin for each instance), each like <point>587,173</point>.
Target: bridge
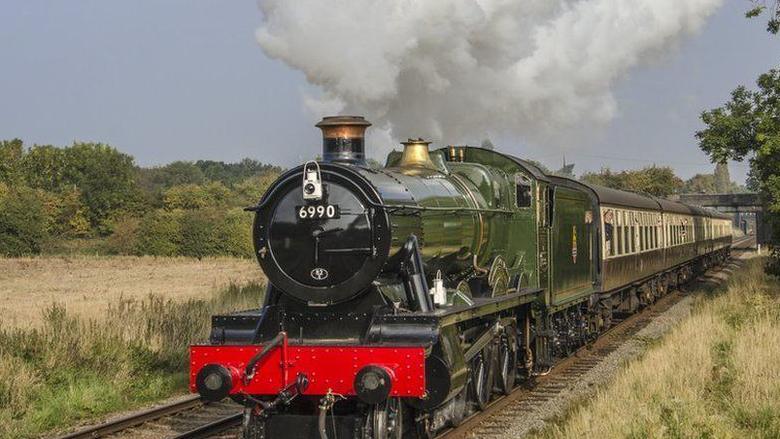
<point>746,207</point>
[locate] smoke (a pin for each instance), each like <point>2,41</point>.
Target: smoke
<point>457,70</point>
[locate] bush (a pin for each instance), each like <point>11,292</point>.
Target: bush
<point>124,240</point>
<point>191,196</point>
<point>23,222</point>
<point>235,233</point>
<point>214,232</point>
<point>160,234</point>
<point>66,215</point>
<point>199,236</point>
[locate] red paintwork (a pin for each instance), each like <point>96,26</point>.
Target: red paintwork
<point>327,367</point>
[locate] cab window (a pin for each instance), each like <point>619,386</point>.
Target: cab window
<point>522,191</point>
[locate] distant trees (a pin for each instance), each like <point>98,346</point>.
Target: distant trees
<point>50,194</point>
<point>700,184</point>
<point>99,175</point>
<point>654,180</point>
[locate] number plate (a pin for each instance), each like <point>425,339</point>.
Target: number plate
<point>317,212</point>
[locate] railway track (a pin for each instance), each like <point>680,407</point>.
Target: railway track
<point>188,418</point>
<point>192,418</point>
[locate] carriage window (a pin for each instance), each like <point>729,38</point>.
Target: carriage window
<point>655,236</point>
<point>609,232</point>
<point>522,191</point>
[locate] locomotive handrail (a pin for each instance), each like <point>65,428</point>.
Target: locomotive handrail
<point>396,207</point>
<point>439,209</point>
<point>249,372</point>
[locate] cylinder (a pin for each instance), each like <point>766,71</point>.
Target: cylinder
<point>343,139</point>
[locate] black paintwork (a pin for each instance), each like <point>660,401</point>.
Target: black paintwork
<point>350,250</point>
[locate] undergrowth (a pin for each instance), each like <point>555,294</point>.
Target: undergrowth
<point>72,369</point>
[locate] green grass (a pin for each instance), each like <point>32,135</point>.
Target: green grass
<point>716,375</point>
<point>71,370</point>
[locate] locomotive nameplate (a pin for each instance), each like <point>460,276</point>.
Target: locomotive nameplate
<point>317,212</point>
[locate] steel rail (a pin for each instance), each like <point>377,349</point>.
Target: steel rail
<point>135,419</point>
<point>213,428</point>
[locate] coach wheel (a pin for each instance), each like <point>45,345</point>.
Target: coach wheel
<point>482,377</point>
<point>386,420</point>
<point>507,361</point>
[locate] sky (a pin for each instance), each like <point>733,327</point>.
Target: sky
<point>167,80</point>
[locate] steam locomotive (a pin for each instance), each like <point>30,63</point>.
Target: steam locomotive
<point>402,299</point>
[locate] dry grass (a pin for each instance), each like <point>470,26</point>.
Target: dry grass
<point>717,375</point>
<point>70,369</point>
<point>86,285</point>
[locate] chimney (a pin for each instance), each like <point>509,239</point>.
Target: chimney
<point>343,139</point>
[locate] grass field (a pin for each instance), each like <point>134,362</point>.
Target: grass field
<point>86,285</point>
<point>90,336</point>
<point>717,375</point>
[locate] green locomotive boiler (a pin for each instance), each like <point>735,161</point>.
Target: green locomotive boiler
<point>401,299</point>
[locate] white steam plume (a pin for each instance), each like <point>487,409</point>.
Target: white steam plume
<point>455,70</point>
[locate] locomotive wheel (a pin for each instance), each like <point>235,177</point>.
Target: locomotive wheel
<point>423,428</point>
<point>459,411</point>
<point>385,420</point>
<point>507,361</point>
<point>482,377</point>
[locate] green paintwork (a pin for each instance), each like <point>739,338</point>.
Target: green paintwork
<point>535,244</point>
<point>484,220</point>
<point>573,244</point>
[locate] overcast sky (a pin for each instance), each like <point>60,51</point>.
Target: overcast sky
<point>185,80</point>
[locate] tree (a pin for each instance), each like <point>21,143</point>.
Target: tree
<point>487,144</point>
<point>232,173</point>
<point>700,184</point>
<point>23,221</point>
<point>105,177</point>
<point>748,127</point>
<point>45,167</point>
<point>10,161</point>
<point>190,196</point>
<point>772,8</point>
<point>172,174</point>
<point>653,180</point>
<point>722,179</point>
